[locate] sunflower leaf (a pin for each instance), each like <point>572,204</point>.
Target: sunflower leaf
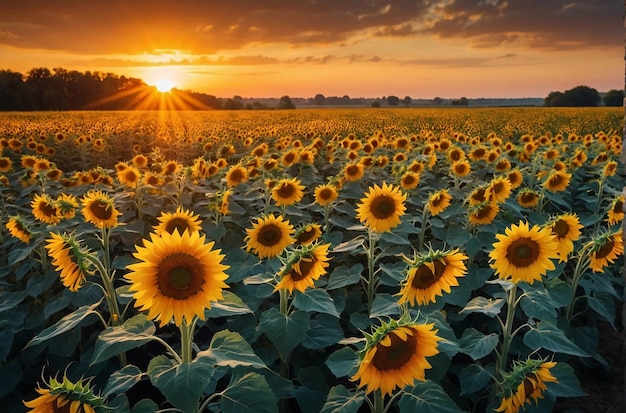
<point>343,276</point>
<point>230,305</point>
<point>315,299</point>
<point>248,393</point>
<point>285,331</point>
<point>122,380</point>
<point>477,345</point>
<point>548,336</point>
<point>342,400</point>
<point>343,362</point>
<point>135,332</point>
<point>473,378</point>
<point>567,384</point>
<point>427,397</point>
<point>230,349</point>
<point>490,307</point>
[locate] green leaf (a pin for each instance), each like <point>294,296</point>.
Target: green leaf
<point>122,380</point>
<point>230,305</point>
<point>343,362</point>
<point>248,393</point>
<point>604,305</point>
<point>230,349</point>
<point>65,324</point>
<point>181,384</point>
<point>324,331</point>
<point>343,276</point>
<point>567,384</point>
<point>315,299</point>
<point>477,345</point>
<point>145,406</point>
<point>10,300</point>
<point>394,239</point>
<point>427,397</point>
<point>488,306</point>
<point>342,400</point>
<point>351,245</point>
<point>473,378</point>
<point>547,335</point>
<point>457,235</point>
<point>6,343</point>
<point>286,332</point>
<point>538,304</point>
<point>135,332</point>
<point>385,305</point>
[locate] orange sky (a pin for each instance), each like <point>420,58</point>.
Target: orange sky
<point>360,48</point>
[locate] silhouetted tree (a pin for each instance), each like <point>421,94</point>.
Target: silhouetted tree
<point>376,103</point>
<point>393,100</point>
<point>407,101</point>
<point>578,96</point>
<point>285,103</point>
<point>613,97</point>
<point>438,101</point>
<point>319,99</point>
<point>460,102</point>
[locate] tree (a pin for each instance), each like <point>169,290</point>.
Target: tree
<point>575,97</point>
<point>460,102</point>
<point>407,101</point>
<point>613,97</point>
<point>438,101</point>
<point>376,104</point>
<point>285,103</point>
<point>393,100</point>
<point>319,99</point>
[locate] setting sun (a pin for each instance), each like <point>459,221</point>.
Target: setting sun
<point>164,85</point>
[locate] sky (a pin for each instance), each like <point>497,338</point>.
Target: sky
<point>360,48</point>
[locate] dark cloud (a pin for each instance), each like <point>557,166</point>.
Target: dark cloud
<point>202,27</point>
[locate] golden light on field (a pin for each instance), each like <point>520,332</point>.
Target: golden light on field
<point>164,85</point>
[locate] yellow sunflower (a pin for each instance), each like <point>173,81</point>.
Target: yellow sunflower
<point>523,253</point>
<point>477,196</point>
<point>325,194</point>
<point>439,201</point>
<point>19,229</point>
<point>516,178</point>
<point>129,176</point>
<point>395,356</point>
<point>44,209</point>
<point>287,191</point>
<point>381,208</point>
<point>181,220</point>
<point>308,234</point>
<point>66,397</point>
<point>498,190</point>
<point>616,211</point>
<point>177,276</point>
<point>527,198</point>
<point>236,175</point>
<point>66,205</point>
<point>431,275</point>
<point>224,202</point>
<point>557,181</point>
<point>461,168</point>
<point>5,164</point>
<point>303,267</point>
<point>409,180</point>
<point>483,213</point>
<point>69,259</point>
<point>525,384</point>
<point>566,228</point>
<point>607,247</point>
<point>269,236</point>
<point>353,171</point>
<point>99,209</point>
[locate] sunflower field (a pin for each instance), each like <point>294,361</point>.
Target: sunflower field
<point>383,260</point>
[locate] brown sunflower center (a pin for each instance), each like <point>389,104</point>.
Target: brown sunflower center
<point>498,187</point>
<point>59,407</point>
<point>528,197</point>
<point>352,170</point>
<point>408,180</point>
<point>619,206</point>
<point>307,235</point>
<point>605,249</point>
<point>383,207</point>
<point>178,223</point>
<point>522,252</point>
<point>437,201</point>
<point>424,276</point>
<point>560,228</point>
<point>180,276</point>
<point>326,194</point>
<point>101,210</point>
<point>555,181</point>
<point>483,212</point>
<point>236,175</point>
<point>479,195</point>
<point>286,190</point>
<point>269,235</point>
<point>306,265</point>
<point>396,355</point>
<point>47,209</point>
<point>529,385</point>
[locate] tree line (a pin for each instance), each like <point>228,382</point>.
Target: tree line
<point>584,96</point>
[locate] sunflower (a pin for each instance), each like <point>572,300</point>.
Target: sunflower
<point>19,229</point>
<point>224,205</point>
<point>177,276</point>
<point>395,355</point>
<point>498,190</point>
<point>483,213</point>
<point>129,176</point>
<point>70,260</point>
<point>381,208</point>
<point>303,267</point>
<point>66,396</point>
<point>181,220</point>
<point>236,175</point>
<point>430,275</point>
<point>354,171</point>
<point>557,181</point>
<point>287,192</point>
<point>523,253</point>
<point>609,169</point>
<point>516,178</point>
<point>616,210</point>
<point>606,248</point>
<point>527,198</point>
<point>409,180</point>
<point>44,209</point>
<point>525,384</point>
<point>439,201</point>
<point>461,168</point>
<point>325,194</point>
<point>5,164</point>
<point>269,236</point>
<point>66,205</point>
<point>98,208</point>
<point>566,228</point>
<point>308,234</point>
<point>477,196</point>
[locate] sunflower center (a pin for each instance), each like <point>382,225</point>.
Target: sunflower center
<point>436,201</point>
<point>101,210</point>
<point>269,235</point>
<point>528,197</point>
<point>177,223</point>
<point>326,193</point>
<point>383,207</point>
<point>396,355</point>
<point>605,250</point>
<point>479,195</point>
<point>498,187</point>
<point>619,206</point>
<point>483,212</point>
<point>522,252</point>
<point>305,265</point>
<point>352,170</point>
<point>236,175</point>
<point>286,190</point>
<point>180,276</point>
<point>555,181</point>
<point>307,235</point>
<point>424,276</point>
<point>408,180</point>
<point>529,385</point>
<point>560,228</point>
<point>47,209</point>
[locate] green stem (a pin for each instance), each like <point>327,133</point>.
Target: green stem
<point>186,340</point>
<point>379,402</point>
<point>507,337</point>
<point>371,262</point>
<point>422,233</point>
<point>541,199</point>
<point>581,266</point>
<point>283,295</point>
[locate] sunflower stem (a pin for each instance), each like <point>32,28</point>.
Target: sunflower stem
<point>422,233</point>
<point>186,340</point>
<point>379,402</point>
<point>581,266</point>
<point>507,337</point>
<point>283,295</point>
<point>371,261</point>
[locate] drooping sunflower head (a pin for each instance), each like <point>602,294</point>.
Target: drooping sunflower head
<point>325,194</point>
<point>224,206</point>
<point>395,355</point>
<point>44,209</point>
<point>523,253</point>
<point>18,228</point>
<point>70,259</point>
<point>477,196</point>
<point>381,208</point>
<point>498,190</point>
<point>177,277</point>
<point>606,248</point>
<point>439,201</point>
<point>527,198</point>
<point>66,396</point>
<point>432,274</point>
<point>308,234</point>
<point>557,181</point>
<point>304,265</point>
<point>616,210</point>
<point>525,384</point>
<point>66,205</point>
<point>287,191</point>
<point>566,229</point>
<point>99,209</point>
<point>181,220</point>
<point>269,236</point>
<point>483,213</point>
<point>609,169</point>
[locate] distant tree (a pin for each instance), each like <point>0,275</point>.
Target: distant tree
<point>575,97</point>
<point>554,99</point>
<point>233,104</point>
<point>393,100</point>
<point>11,90</point>
<point>319,99</point>
<point>407,101</point>
<point>376,103</point>
<point>258,105</point>
<point>613,97</point>
<point>460,102</point>
<point>438,101</point>
<point>285,103</point>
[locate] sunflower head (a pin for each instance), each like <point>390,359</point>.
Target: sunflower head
<point>66,205</point>
<point>70,258</point>
<point>566,229</point>
<point>287,191</point>
<point>616,210</point>
<point>99,209</point>
<point>19,229</point>
<point>65,395</point>
<point>44,209</point>
<point>525,384</point>
<point>303,266</point>
<point>483,213</point>
<point>308,234</point>
<point>605,248</point>
<point>269,236</point>
<point>181,220</point>
<point>325,194</point>
<point>381,208</point>
<point>439,201</point>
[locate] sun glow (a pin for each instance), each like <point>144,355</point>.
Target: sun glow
<point>164,85</point>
